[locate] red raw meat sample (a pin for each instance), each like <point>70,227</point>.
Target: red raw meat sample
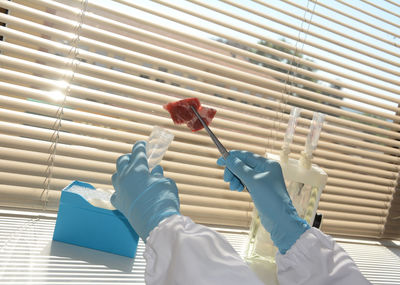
<point>180,111</point>
<point>207,114</point>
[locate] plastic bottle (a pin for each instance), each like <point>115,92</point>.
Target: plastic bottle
<point>157,144</point>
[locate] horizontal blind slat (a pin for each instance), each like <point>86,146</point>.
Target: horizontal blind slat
<point>100,134</point>
<point>331,19</point>
<point>127,137</point>
<point>348,228</point>
<point>77,163</point>
<point>275,52</point>
<point>360,185</point>
<point>110,157</point>
<point>349,123</point>
<point>346,192</point>
<point>333,215</point>
<point>358,19</point>
<point>294,99</point>
<point>351,209</point>
<point>124,101</point>
<point>141,116</point>
<point>98,178</point>
<point>360,201</point>
<point>315,34</point>
<point>324,58</point>
<point>370,14</point>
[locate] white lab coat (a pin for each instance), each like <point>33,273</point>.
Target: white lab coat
<point>180,251</point>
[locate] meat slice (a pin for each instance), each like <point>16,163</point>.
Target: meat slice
<point>207,114</point>
<point>181,113</point>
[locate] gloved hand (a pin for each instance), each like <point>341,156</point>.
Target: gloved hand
<point>145,198</point>
<point>264,180</point>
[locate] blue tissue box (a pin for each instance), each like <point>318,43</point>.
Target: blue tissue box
<point>80,223</point>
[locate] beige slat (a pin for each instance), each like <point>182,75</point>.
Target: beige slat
<point>130,102</point>
<point>217,216</point>
<point>95,177</point>
<point>354,167</point>
<point>94,17</point>
<point>341,148</point>
<point>317,35</point>
<point>359,159</point>
<point>359,177</point>
<point>214,192</point>
<point>94,165</point>
<point>351,228</point>
<point>332,19</point>
<point>215,203</point>
<point>222,133</point>
<point>100,167</point>
<point>25,180</point>
<point>357,201</point>
<point>111,157</point>
<point>370,14</point>
<point>118,123</point>
<point>346,192</point>
<point>295,99</point>
<point>91,133</point>
<point>352,123</point>
<point>334,181</point>
<point>328,206</point>
<point>93,154</point>
<point>260,36</point>
<point>27,197</point>
<point>358,19</point>
<point>96,131</point>
<point>360,185</point>
<point>241,52</point>
<point>145,125</point>
<point>332,215</point>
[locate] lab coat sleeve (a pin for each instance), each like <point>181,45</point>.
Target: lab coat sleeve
<point>179,251</point>
<point>316,258</point>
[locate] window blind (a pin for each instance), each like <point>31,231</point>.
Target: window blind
<point>81,81</point>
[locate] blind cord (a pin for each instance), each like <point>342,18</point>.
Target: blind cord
<point>290,79</point>
<point>68,77</point>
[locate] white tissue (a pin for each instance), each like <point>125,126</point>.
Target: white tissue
<point>100,198</point>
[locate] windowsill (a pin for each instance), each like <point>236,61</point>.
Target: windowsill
<point>29,256</point>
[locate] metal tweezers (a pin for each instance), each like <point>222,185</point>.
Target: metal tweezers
<point>216,141</point>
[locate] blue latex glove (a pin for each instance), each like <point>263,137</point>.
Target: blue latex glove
<point>264,180</point>
<point>145,198</point>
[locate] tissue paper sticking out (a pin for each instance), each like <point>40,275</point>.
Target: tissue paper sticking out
<point>100,198</point>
